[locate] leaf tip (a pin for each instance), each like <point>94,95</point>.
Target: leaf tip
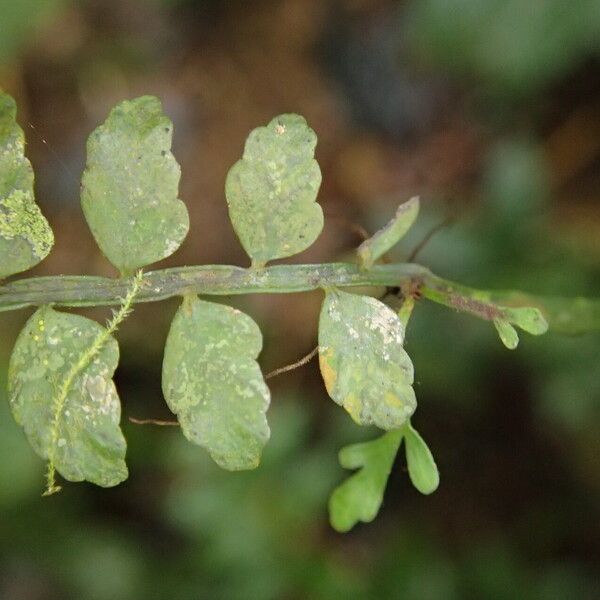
<point>507,333</point>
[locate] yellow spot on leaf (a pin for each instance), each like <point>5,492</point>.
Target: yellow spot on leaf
<point>328,372</point>
<point>354,407</point>
<point>392,400</point>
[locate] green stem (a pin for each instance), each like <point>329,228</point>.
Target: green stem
<point>225,280</point>
<point>566,315</point>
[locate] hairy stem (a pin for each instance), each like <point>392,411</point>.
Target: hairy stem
<point>59,400</point>
<point>564,314</point>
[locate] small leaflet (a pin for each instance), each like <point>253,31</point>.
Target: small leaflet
<point>422,469</point>
<point>360,496</point>
<point>528,318</point>
<point>389,235</point>
<point>405,310</point>
<point>78,433</point>
<point>130,186</point>
<point>365,368</point>
<point>25,236</point>
<point>508,334</point>
<point>214,385</point>
<point>271,192</point>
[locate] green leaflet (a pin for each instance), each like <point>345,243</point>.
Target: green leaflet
<point>422,469</point>
<point>271,191</point>
<point>212,382</point>
<point>508,334</point>
<point>360,496</point>
<point>389,235</point>
<point>365,368</point>
<point>405,310</point>
<point>76,431</point>
<point>25,236</point>
<point>129,187</point>
<point>572,316</point>
<point>528,318</point>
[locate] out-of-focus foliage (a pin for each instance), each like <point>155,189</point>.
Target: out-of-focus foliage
<point>20,20</point>
<point>514,46</point>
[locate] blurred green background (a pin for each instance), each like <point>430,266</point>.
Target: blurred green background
<point>490,111</point>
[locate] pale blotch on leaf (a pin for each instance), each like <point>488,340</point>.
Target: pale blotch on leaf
<point>422,470</point>
<point>271,191</point>
<point>365,368</point>
<point>25,236</point>
<point>130,186</point>
<point>389,235</point>
<point>81,436</point>
<point>360,496</point>
<point>214,385</point>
